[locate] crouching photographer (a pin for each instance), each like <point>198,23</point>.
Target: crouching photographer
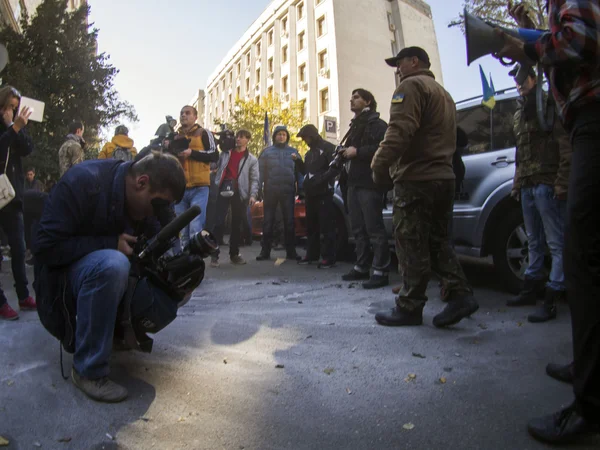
<point>84,253</point>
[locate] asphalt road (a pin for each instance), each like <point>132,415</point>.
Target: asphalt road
<point>290,357</point>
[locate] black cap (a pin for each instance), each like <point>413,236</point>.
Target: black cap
<point>409,52</point>
<point>520,73</point>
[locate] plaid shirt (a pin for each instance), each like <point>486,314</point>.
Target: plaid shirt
<point>572,50</point>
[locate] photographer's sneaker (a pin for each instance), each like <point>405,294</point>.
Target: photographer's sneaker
<point>101,389</point>
<point>214,261</point>
<point>7,313</point>
<point>326,264</point>
<point>28,304</point>
<point>238,260</point>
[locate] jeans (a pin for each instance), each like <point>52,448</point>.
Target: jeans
<point>582,260</point>
<point>11,221</point>
<point>320,220</point>
<point>193,196</point>
<point>238,216</point>
<point>544,215</point>
<point>98,281</point>
<point>286,202</point>
<point>365,207</point>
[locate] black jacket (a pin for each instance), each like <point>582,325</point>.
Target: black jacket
<point>318,176</point>
<point>20,145</point>
<point>365,133</point>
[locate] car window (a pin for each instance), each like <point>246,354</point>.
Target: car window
<point>476,123</point>
<point>503,121</point>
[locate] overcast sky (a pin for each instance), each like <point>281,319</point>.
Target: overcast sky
<point>165,51</point>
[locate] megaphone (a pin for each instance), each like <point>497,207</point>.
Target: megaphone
<point>3,57</point>
<point>482,40</point>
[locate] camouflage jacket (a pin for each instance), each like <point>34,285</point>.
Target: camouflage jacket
<point>70,153</point>
<point>541,157</point>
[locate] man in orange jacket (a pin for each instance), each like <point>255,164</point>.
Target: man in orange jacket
<point>120,147</point>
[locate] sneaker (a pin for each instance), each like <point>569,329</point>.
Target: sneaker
<point>101,389</point>
<point>238,260</point>
<point>355,275</point>
<point>305,261</point>
<point>326,264</point>
<point>214,261</point>
<point>28,304</point>
<point>376,282</point>
<point>7,313</point>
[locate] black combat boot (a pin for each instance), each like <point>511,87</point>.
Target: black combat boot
<point>561,372</point>
<point>376,282</point>
<point>265,254</point>
<point>532,289</point>
<point>547,310</point>
<point>355,275</point>
<point>397,317</point>
<point>562,427</point>
<point>460,305</point>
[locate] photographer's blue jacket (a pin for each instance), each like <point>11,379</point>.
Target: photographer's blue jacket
<point>278,172</point>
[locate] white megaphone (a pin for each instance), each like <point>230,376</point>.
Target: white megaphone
<point>482,40</point>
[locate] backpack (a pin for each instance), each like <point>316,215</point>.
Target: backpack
<point>122,154</point>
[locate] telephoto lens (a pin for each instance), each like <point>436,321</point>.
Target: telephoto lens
<point>202,244</point>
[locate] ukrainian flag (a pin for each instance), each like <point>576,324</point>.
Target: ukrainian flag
<point>488,91</point>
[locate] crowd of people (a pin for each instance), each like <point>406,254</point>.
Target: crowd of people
<point>84,232</point>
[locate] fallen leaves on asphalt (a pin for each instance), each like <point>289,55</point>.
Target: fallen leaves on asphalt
<point>225,361</point>
<point>443,380</point>
<point>3,442</point>
<point>329,370</point>
<point>354,349</point>
<point>279,261</point>
<point>418,355</point>
<point>348,391</point>
<point>65,439</point>
<point>408,426</point>
<point>10,382</point>
<point>410,377</point>
<point>279,366</point>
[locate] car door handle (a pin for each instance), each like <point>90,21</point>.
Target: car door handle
<point>503,162</point>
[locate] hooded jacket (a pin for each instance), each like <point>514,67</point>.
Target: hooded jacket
<point>278,172</point>
<point>318,175</point>
<point>204,151</point>
<point>20,145</point>
<point>120,140</point>
<point>247,181</point>
<point>70,153</point>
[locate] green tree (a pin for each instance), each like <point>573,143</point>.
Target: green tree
<point>55,60</point>
<point>250,115</point>
<point>496,11</point>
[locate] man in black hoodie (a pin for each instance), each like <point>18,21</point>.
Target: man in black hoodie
<point>318,188</point>
<point>365,200</point>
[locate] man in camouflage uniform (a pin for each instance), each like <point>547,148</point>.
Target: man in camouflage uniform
<point>417,154</point>
<point>71,152</point>
<point>541,179</point>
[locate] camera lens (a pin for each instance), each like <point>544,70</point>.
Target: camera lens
<point>202,244</point>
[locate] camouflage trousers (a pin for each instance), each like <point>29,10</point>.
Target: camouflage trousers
<point>422,213</point>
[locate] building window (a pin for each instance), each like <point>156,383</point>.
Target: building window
<point>304,109</point>
<point>302,73</point>
<point>223,107</point>
<point>257,99</point>
<point>257,75</point>
<point>270,91</point>
<point>301,41</point>
<point>229,100</point>
<point>321,26</point>
<point>284,54</point>
<point>247,84</point>
<point>270,64</point>
<point>238,93</point>
<point>230,76</point>
<point>270,37</point>
<point>324,100</point>
<point>300,10</point>
<point>323,60</point>
<point>318,2</point>
<point>258,50</point>
<point>284,85</point>
<point>284,25</point>
<point>239,67</point>
<point>248,59</point>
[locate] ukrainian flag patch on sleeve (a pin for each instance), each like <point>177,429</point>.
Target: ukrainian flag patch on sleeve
<point>398,98</point>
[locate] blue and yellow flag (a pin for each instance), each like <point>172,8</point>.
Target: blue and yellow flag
<point>488,91</point>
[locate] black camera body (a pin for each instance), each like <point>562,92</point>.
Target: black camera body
<point>338,157</point>
<point>226,139</point>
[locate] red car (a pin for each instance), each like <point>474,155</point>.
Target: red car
<point>299,219</point>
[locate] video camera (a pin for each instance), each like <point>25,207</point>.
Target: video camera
<point>159,282</point>
<point>226,139</point>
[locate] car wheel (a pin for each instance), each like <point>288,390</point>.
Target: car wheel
<point>510,252</point>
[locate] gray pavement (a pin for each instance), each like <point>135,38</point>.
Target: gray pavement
<point>212,381</point>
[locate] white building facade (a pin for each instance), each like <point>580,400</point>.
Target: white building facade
<point>316,52</point>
